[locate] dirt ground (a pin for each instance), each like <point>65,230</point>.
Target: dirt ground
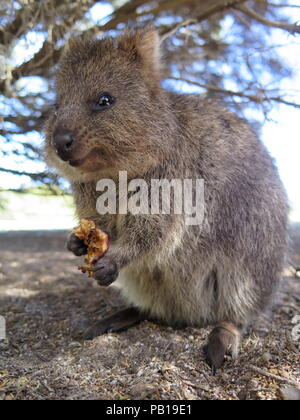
<point>46,303</point>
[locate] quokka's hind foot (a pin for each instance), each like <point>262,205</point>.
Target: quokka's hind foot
<point>117,322</point>
<point>224,339</point>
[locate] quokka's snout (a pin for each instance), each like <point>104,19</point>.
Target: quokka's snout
<point>64,142</point>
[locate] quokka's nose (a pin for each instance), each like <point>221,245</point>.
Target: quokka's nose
<point>63,141</point>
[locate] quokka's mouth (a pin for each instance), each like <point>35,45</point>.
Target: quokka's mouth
<point>91,162</point>
<point>76,163</point>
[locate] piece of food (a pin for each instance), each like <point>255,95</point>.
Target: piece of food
<point>97,243</point>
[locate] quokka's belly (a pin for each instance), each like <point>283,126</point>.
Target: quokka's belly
<point>205,296</point>
<point>166,295</point>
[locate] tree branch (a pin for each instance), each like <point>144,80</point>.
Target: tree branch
<point>175,28</point>
<point>49,56</point>
<point>290,27</point>
<point>22,21</point>
<point>32,175</point>
<point>258,98</point>
<point>267,3</point>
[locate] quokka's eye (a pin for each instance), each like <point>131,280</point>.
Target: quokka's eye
<point>105,100</point>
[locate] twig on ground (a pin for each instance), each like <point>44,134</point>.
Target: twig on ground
<point>272,376</point>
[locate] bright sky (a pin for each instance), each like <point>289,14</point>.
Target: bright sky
<point>281,136</point>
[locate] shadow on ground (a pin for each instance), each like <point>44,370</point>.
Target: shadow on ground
<point>47,302</point>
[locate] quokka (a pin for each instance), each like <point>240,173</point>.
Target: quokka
<point>112,115</point>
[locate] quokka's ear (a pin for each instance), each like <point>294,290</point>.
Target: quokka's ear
<point>76,46</point>
<point>144,45</point>
<point>73,43</point>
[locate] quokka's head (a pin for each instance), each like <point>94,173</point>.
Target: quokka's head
<point>110,112</point>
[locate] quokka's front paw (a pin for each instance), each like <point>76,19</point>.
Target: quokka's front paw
<point>105,271</point>
<point>76,245</point>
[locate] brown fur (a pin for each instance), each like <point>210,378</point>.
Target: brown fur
<point>227,269</point>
